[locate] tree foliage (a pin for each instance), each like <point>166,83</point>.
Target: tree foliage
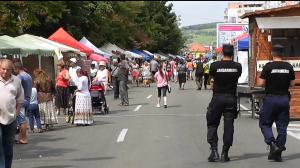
<point>147,25</point>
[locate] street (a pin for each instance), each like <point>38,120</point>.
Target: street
<point>144,136</point>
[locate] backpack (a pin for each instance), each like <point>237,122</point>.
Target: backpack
<point>199,68</point>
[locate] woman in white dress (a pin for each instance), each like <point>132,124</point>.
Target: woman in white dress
<point>83,104</point>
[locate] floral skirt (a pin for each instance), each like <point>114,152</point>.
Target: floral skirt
<point>83,110</point>
<point>48,115</point>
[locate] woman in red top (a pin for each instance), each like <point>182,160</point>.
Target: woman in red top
<point>62,91</point>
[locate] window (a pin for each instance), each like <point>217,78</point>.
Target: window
<point>289,39</point>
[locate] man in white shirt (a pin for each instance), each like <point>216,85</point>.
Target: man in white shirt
<point>12,98</point>
<point>73,79</point>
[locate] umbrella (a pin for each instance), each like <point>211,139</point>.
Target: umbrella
<point>96,57</point>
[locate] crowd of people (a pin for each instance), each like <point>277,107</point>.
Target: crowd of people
<point>41,99</point>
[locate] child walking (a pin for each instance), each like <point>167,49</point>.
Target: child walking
<point>162,85</point>
<point>34,111</point>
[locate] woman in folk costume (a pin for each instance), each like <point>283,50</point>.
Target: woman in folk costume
<point>83,104</point>
<point>46,91</point>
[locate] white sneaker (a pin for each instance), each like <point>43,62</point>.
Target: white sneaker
<point>158,105</point>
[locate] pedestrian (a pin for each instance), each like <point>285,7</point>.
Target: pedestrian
<point>27,86</point>
<point>276,77</point>
<point>174,70</point>
<point>34,112</point>
<point>146,74</point>
<point>199,73</point>
<point>182,71</point>
<point>102,75</point>
<point>46,92</point>
<point>83,103</point>
<point>135,73</point>
<point>206,72</point>
<point>62,89</point>
<point>153,67</point>
<point>73,79</point>
<point>123,80</point>
<point>12,98</point>
<point>93,70</point>
<point>190,69</point>
<point>169,69</point>
<point>161,79</point>
<point>225,75</point>
<point>115,82</point>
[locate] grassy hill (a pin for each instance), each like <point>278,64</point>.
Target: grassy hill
<point>201,33</point>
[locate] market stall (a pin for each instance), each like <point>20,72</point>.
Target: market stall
<point>275,26</point>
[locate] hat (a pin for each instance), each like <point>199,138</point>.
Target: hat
<point>102,63</point>
<point>73,60</point>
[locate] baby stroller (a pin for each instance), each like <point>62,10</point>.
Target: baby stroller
<point>98,97</point>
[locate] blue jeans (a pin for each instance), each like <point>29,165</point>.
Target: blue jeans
<point>275,109</point>
<point>34,112</point>
<point>7,138</point>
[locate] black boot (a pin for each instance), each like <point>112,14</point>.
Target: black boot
<point>214,155</point>
<point>275,152</point>
<point>224,155</point>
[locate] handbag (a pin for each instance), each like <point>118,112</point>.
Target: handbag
<point>168,85</point>
<point>169,88</point>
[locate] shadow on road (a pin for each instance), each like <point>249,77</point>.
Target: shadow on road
<point>136,104</point>
<point>34,150</point>
<point>248,156</point>
<point>291,157</point>
<point>117,111</point>
<point>55,166</point>
<point>172,106</point>
<point>93,159</point>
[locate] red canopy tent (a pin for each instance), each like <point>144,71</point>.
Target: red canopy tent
<point>63,37</point>
<point>96,57</point>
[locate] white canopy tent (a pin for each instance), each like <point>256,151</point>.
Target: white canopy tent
<point>33,40</point>
<point>87,43</point>
<point>109,48</point>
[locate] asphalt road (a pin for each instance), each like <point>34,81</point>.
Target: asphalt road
<point>144,136</point>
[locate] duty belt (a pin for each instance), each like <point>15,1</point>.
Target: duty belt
<point>223,94</point>
<point>277,95</point>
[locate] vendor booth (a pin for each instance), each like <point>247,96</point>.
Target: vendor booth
<point>270,27</point>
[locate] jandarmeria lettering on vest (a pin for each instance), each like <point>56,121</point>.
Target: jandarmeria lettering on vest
<point>227,70</point>
<point>280,71</point>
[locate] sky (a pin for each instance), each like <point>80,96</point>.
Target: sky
<point>197,12</point>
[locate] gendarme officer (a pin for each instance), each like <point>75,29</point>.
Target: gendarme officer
<point>225,74</point>
<point>276,77</point>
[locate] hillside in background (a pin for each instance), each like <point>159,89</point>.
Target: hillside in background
<point>202,33</point>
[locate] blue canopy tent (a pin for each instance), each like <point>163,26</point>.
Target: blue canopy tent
<point>243,44</point>
<point>147,57</point>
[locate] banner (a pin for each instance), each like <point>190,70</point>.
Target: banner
<point>228,31</point>
<point>262,63</point>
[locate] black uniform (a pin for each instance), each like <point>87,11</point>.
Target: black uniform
<point>278,75</point>
<point>225,74</point>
